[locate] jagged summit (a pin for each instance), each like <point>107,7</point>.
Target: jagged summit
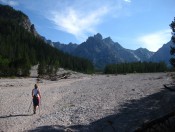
<point>98,36</point>
<point>108,40</point>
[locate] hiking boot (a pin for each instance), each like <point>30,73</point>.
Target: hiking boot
<point>34,112</point>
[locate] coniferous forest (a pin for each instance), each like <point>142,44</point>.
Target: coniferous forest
<point>21,49</point>
<point>135,67</point>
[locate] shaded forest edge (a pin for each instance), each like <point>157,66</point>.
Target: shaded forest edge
<point>21,49</point>
<point>136,67</point>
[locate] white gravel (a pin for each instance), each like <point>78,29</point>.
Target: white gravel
<point>85,102</point>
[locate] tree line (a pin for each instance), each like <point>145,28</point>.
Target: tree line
<point>135,67</point>
<point>172,50</point>
<point>20,49</point>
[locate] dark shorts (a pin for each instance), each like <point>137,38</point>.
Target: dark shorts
<point>35,101</point>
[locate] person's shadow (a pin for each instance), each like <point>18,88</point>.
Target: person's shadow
<point>8,116</point>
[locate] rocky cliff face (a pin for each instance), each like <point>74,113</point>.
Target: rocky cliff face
<point>29,26</point>
<point>19,17</point>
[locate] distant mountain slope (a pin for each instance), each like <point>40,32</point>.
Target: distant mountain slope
<point>68,48</point>
<point>105,51</point>
<point>143,54</point>
<point>163,54</point>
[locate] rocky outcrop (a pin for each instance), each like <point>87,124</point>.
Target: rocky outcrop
<point>8,13</point>
<point>29,26</point>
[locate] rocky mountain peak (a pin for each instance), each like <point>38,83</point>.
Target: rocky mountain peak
<point>108,40</point>
<point>98,36</point>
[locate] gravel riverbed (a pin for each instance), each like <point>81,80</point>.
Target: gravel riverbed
<point>85,103</point>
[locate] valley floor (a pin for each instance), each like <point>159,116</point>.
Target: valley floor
<point>85,102</point>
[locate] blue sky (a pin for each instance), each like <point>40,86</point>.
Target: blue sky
<point>132,23</point>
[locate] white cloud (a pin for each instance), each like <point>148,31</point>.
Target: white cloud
<point>77,22</point>
<point>154,41</point>
<point>80,17</point>
<point>129,1</point>
<point>9,2</point>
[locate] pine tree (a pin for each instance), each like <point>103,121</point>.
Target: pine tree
<point>172,51</point>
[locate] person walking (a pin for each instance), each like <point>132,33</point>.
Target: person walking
<point>36,94</point>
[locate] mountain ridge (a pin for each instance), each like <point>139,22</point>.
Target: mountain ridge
<point>104,51</point>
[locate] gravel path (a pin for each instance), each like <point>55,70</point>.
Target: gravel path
<point>87,103</point>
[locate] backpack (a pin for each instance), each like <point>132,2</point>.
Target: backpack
<point>36,92</point>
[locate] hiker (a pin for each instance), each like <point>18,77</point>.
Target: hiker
<point>36,97</point>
